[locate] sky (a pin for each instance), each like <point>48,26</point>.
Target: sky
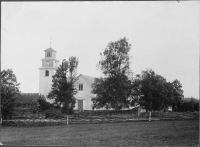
<point>165,37</point>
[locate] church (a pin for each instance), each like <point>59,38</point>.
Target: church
<point>83,84</point>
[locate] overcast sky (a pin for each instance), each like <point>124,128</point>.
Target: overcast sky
<point>165,37</point>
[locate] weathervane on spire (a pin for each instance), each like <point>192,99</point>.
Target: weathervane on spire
<point>50,42</point>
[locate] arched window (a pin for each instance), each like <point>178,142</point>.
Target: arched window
<point>46,73</point>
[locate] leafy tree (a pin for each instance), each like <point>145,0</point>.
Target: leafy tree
<point>189,104</point>
<point>114,90</point>
<point>155,92</point>
<point>196,106</point>
<point>63,88</point>
<point>177,94</point>
<point>9,92</point>
<point>192,104</point>
<point>147,82</point>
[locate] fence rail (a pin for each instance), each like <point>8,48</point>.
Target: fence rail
<point>92,118</point>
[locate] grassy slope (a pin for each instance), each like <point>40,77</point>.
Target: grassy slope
<point>159,133</point>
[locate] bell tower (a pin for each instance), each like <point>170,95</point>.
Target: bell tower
<point>49,65</point>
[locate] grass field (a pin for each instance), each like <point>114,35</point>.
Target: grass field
<point>156,133</point>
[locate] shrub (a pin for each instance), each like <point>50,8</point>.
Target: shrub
<point>53,113</point>
<point>43,104</point>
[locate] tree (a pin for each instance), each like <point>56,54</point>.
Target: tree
<point>114,90</point>
<point>177,94</point>
<point>149,85</point>
<point>9,93</point>
<point>155,93</point>
<point>192,103</point>
<point>63,88</point>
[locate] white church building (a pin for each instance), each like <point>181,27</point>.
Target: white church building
<point>84,83</point>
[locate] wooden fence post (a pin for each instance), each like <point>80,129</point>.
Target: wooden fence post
<point>149,115</point>
<point>91,117</point>
<point>108,116</point>
<point>138,111</point>
<point>67,120</point>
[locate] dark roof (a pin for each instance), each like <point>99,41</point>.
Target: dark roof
<point>28,97</point>
<point>50,49</point>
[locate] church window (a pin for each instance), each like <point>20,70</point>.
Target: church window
<point>46,73</point>
<point>48,54</point>
<point>80,87</point>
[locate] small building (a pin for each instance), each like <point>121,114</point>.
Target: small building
<point>169,108</point>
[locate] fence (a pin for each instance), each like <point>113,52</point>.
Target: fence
<point>93,117</point>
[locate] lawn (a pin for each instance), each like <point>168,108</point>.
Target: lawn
<point>143,133</point>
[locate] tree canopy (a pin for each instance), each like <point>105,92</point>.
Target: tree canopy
<point>9,92</point>
<point>155,93</point>
<point>115,58</point>
<point>119,89</point>
<point>114,90</point>
<point>63,88</point>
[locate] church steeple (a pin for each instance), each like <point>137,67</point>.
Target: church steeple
<point>50,58</point>
<point>49,66</point>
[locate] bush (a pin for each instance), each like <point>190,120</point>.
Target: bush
<point>53,113</point>
<point>43,104</point>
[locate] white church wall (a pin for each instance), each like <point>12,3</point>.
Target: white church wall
<point>45,82</point>
<point>84,94</point>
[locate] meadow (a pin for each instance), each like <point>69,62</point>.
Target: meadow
<point>138,133</point>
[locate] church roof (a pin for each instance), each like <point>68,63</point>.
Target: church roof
<point>89,79</point>
<point>28,97</point>
<point>50,49</point>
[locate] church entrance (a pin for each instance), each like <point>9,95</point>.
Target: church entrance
<point>80,105</point>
